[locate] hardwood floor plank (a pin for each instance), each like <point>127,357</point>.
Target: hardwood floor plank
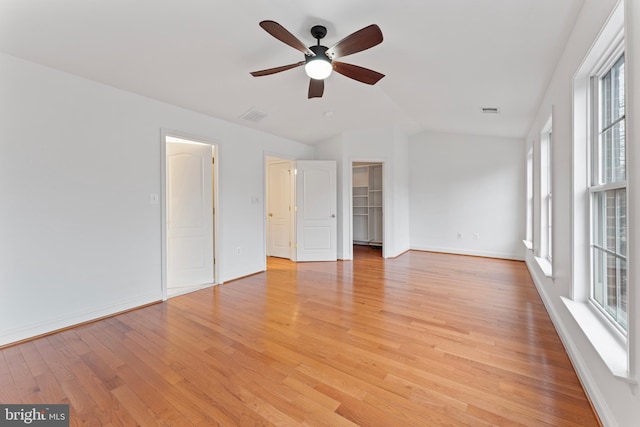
<point>422,339</point>
<point>311,393</point>
<point>20,372</point>
<point>136,406</point>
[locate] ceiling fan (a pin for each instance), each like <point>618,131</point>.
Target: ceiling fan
<point>320,60</point>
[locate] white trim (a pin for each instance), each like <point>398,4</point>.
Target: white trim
<point>75,319</point>
<point>609,346</point>
<point>386,252</point>
<point>189,289</point>
<point>618,185</point>
<point>486,254</point>
<point>545,186</point>
<point>545,266</point>
<point>632,69</point>
<point>217,237</point>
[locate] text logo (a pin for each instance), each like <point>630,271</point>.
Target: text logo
<point>34,415</point>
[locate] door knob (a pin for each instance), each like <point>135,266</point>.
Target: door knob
<point>270,214</point>
<point>333,215</point>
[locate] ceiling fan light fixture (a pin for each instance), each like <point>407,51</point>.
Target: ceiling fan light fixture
<point>320,61</point>
<point>318,68</point>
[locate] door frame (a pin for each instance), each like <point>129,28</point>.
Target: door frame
<point>385,198</point>
<point>164,133</point>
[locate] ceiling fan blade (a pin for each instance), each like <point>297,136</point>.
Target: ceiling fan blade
<point>279,32</point>
<point>355,72</point>
<point>360,40</point>
<point>316,88</point>
<point>276,69</point>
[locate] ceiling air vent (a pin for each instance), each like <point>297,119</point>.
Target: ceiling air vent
<point>253,115</point>
<point>490,110</point>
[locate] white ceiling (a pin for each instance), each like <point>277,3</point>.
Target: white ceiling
<point>443,59</point>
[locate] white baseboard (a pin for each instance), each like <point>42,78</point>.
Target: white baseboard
<point>396,253</point>
<point>79,317</point>
<point>584,375</point>
<point>487,254</point>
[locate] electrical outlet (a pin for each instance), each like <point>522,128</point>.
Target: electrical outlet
<point>238,250</point>
<point>476,236</point>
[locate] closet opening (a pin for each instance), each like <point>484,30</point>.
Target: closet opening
<point>367,208</point>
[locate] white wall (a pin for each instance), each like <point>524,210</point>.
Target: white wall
<point>470,185</point>
<point>401,201</point>
<point>79,238</point>
<point>616,401</point>
<point>388,146</point>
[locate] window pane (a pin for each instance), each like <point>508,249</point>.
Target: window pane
<point>621,227</point>
<point>605,101</point>
<point>613,154</point>
<point>598,206</point>
<point>610,284</point>
<point>610,220</point>
<point>609,251</point>
<point>618,156</point>
<point>606,174</point>
<point>612,288</point>
<point>617,90</point>
<point>550,227</point>
<point>612,99</point>
<point>622,315</point>
<point>598,276</point>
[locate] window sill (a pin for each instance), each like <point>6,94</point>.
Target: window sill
<point>610,347</point>
<point>545,266</point>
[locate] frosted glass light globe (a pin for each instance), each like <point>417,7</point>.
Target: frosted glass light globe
<point>318,69</point>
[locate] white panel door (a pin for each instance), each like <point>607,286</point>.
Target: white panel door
<point>316,223</point>
<point>189,214</point>
<point>279,209</point>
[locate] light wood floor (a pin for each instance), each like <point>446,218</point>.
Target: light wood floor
<point>422,340</point>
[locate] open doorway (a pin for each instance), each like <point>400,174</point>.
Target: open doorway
<point>367,208</point>
<point>188,215</point>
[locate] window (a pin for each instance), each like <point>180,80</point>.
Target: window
<point>547,194</point>
<point>598,301</point>
<point>528,241</point>
<point>608,192</point>
<point>544,250</point>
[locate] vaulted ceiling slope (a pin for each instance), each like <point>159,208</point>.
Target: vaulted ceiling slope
<point>443,59</point>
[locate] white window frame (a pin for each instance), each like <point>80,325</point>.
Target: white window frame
<point>544,235</point>
<point>597,184</point>
<point>546,190</point>
<point>528,241</point>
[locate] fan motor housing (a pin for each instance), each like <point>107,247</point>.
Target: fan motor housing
<point>320,52</point>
